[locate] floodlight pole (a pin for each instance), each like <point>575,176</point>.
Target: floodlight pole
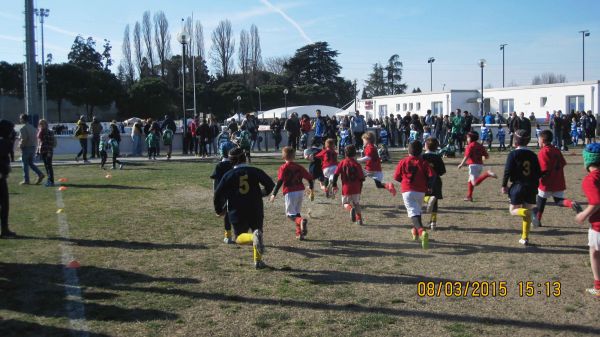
<point>584,33</point>
<point>502,48</point>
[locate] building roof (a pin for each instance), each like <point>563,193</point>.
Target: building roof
<point>423,93</point>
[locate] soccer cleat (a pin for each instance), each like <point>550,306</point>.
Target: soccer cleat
<point>536,222</point>
<point>593,291</point>
<point>228,241</point>
<point>430,204</point>
<point>425,240</point>
<point>24,183</point>
<point>257,241</point>
<point>432,225</point>
<point>259,265</point>
<point>492,174</point>
<point>524,242</point>
<point>39,179</point>
<point>414,234</point>
<point>353,214</point>
<point>49,184</point>
<point>576,207</point>
<point>468,199</point>
<point>304,227</point>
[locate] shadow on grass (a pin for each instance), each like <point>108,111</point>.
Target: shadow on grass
<point>38,289</point>
<point>354,249</point>
<point>14,328</point>
<point>343,277</point>
<point>491,230</point>
<point>107,186</point>
<point>358,308</point>
<point>133,245</point>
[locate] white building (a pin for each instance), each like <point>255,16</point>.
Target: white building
<point>578,96</point>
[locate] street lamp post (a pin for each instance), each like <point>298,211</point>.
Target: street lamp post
<point>285,93</point>
<point>183,38</point>
<point>430,61</point>
<point>481,65</point>
<point>43,13</point>
<point>238,113</point>
<point>259,102</point>
<point>584,33</point>
<point>502,48</point>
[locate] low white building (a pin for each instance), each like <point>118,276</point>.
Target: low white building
<point>578,96</point>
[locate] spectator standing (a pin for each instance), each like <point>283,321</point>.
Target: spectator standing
<point>7,128</point>
<point>46,144</point>
<point>96,128</point>
<point>214,128</point>
<point>359,126</point>
<point>276,131</point>
<point>292,126</point>
<point>136,139</point>
<point>557,128</point>
<point>27,135</point>
<point>81,133</point>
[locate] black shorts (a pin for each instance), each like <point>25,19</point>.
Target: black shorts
<point>590,133</point>
<point>436,190</point>
<point>246,225</point>
<point>522,194</point>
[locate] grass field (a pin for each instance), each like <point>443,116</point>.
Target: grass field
<point>153,262</point>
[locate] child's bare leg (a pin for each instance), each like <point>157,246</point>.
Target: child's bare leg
<point>595,262</point>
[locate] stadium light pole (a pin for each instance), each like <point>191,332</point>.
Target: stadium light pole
<point>285,93</point>
<point>43,13</point>
<point>481,65</point>
<point>430,61</point>
<point>238,99</point>
<point>584,33</point>
<point>502,48</point>
<point>183,38</point>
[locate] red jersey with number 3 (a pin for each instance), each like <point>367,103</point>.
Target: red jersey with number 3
<point>591,189</point>
<point>552,163</point>
<point>413,173</point>
<point>352,176</point>
<point>475,153</point>
<point>374,164</point>
<point>292,174</point>
<point>328,156</point>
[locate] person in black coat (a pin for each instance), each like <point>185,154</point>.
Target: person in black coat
<point>6,129</point>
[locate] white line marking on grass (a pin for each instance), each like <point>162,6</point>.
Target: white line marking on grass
<point>74,305</point>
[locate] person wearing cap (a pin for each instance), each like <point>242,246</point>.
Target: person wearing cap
<point>591,189</point>
<point>96,128</point>
<point>522,168</point>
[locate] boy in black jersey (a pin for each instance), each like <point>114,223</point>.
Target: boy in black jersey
<point>437,164</point>
<point>523,169</point>
<point>223,167</point>
<point>240,190</point>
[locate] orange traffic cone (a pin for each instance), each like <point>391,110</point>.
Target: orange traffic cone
<point>63,180</point>
<point>62,188</point>
<point>73,265</point>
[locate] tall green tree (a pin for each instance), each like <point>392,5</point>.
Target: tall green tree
<point>150,97</point>
<point>313,64</point>
<point>393,74</point>
<point>11,78</point>
<point>84,54</point>
<point>64,82</point>
<point>376,85</point>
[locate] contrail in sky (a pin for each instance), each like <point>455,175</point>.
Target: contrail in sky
<point>288,19</point>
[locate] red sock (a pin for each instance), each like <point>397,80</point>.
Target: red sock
<point>567,203</point>
<point>420,231</point>
<point>298,229</point>
<point>481,178</point>
<point>358,216</point>
<point>597,284</point>
<point>348,207</point>
<point>298,220</point>
<point>470,189</point>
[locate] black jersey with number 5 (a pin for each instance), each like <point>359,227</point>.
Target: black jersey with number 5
<point>240,188</point>
<point>522,167</point>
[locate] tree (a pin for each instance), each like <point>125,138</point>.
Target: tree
<point>96,88</point>
<point>151,97</point>
<point>127,61</point>
<point>147,34</point>
<point>84,54</point>
<point>548,78</point>
<point>394,76</point>
<point>376,84</point>
<point>108,61</point>
<point>416,90</point>
<point>199,40</point>
<point>313,64</point>
<point>162,39</point>
<point>11,79</point>
<point>255,55</point>
<point>137,47</point>
<point>223,46</point>
<point>64,82</point>
<point>244,55</point>
<point>276,65</point>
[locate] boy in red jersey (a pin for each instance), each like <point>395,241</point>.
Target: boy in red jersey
<point>591,188</point>
<point>474,154</point>
<point>328,157</point>
<point>373,163</point>
<point>290,176</point>
<point>552,182</point>
<point>416,177</point>
<point>352,179</point>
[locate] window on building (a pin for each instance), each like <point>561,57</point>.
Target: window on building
<point>410,107</point>
<point>418,106</point>
<point>404,106</point>
<point>397,107</point>
<point>543,101</point>
<point>576,103</point>
<point>382,110</point>
<point>507,105</point>
<point>437,108</point>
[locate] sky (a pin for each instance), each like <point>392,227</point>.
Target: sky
<point>541,36</point>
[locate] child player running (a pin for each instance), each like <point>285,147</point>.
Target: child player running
<point>437,164</point>
<point>591,188</point>
<point>221,168</point>
<point>329,164</point>
<point>522,168</point>
<point>352,179</point>
<point>373,163</point>
<point>415,177</point>
<point>474,154</point>
<point>290,176</point>
<point>240,190</point>
<point>552,183</point>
